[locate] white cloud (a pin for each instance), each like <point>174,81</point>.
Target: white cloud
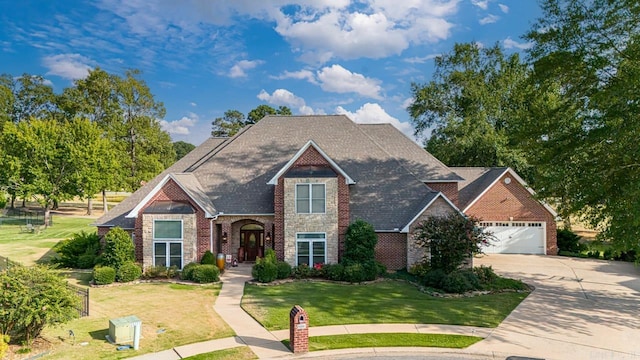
<point>489,19</point>
<point>422,59</point>
<point>68,66</point>
<point>240,68</point>
<point>193,104</point>
<point>407,102</point>
<point>181,126</point>
<point>283,97</point>
<point>340,80</point>
<point>504,8</point>
<point>374,114</point>
<point>299,75</point>
<point>482,4</point>
<point>510,44</point>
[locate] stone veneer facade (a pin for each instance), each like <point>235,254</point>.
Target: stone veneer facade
<point>416,253</point>
<point>189,241</point>
<point>296,223</point>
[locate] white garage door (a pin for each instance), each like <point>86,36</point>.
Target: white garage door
<point>516,237</point>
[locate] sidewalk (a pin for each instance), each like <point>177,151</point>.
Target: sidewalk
<point>268,345</point>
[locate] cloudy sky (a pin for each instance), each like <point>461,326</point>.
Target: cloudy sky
<point>203,57</point>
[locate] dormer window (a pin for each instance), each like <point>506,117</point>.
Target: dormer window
<point>310,198</point>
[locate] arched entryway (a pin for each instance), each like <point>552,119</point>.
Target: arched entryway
<point>251,241</point>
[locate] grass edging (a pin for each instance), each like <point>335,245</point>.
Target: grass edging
<point>350,341</point>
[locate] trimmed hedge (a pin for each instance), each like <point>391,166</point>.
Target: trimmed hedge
<point>128,272</point>
<point>205,273</point>
<point>208,258</point>
<point>104,275</point>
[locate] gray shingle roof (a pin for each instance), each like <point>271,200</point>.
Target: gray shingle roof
<point>476,180</point>
<point>234,174</point>
<point>116,216</point>
<point>414,158</point>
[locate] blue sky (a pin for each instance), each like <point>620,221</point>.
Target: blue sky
<point>201,58</point>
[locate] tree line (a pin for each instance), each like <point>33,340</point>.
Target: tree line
<point>566,117</point>
<point>101,133</point>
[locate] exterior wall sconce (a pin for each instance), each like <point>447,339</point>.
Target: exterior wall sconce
<point>268,237</point>
<point>224,238</point>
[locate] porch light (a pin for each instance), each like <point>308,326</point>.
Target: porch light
<point>268,237</point>
<point>224,238</point>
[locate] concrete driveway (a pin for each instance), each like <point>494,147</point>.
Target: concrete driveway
<point>581,309</point>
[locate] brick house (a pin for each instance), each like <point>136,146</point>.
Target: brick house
<point>293,184</point>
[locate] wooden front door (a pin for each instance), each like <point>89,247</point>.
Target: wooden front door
<point>252,242</point>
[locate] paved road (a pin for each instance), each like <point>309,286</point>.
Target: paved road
<point>581,309</point>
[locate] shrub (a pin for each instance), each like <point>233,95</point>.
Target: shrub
<point>40,297</point>
<point>103,275</point>
<point>485,274</point>
<point>302,271</point>
<point>283,269</point>
<point>264,271</point>
<point>359,243</point>
<point>187,271</point>
<point>626,256</point>
<point>333,272</point>
<point>457,282</point>
<point>419,269</point>
<point>434,278</point>
<point>3,204</point>
<point>205,273</point>
<point>128,271</point>
<point>569,241</point>
<point>608,254</point>
<point>270,256</point>
<point>118,248</point>
<point>208,258</point>
<point>79,252</point>
<point>4,345</point>
<point>354,273</point>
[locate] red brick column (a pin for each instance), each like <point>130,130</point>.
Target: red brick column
<point>298,330</point>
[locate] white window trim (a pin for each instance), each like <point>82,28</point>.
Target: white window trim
<point>168,253</point>
<point>311,241</point>
<point>310,186</point>
<point>168,239</point>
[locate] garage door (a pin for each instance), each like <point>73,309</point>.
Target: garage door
<point>516,237</point>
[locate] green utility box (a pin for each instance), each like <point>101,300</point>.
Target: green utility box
<point>121,330</point>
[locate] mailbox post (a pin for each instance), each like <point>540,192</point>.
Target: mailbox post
<point>298,330</point>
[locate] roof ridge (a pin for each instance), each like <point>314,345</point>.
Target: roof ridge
<point>217,149</point>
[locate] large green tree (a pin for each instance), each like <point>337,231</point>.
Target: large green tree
<point>182,148</point>
<point>234,120</point>
<point>586,57</point>
<point>469,105</point>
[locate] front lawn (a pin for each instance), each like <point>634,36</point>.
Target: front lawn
<point>350,341</point>
<point>171,315</point>
<point>380,302</point>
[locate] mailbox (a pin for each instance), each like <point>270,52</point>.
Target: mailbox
<point>298,330</point>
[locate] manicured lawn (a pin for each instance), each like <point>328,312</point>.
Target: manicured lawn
<point>171,315</point>
<point>350,341</point>
<point>28,248</point>
<point>376,303</point>
<point>236,353</point>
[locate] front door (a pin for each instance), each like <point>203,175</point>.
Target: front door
<point>251,241</point>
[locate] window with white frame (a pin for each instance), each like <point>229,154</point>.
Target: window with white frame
<point>311,248</point>
<point>310,198</point>
<point>167,243</point>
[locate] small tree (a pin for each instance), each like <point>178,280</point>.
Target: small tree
<point>360,242</point>
<point>32,298</point>
<point>450,240</point>
<point>118,248</point>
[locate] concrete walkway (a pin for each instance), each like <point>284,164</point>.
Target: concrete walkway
<point>268,345</point>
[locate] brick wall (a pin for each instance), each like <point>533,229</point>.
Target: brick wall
<point>172,192</point>
<point>505,201</point>
<point>449,189</point>
<point>391,250</point>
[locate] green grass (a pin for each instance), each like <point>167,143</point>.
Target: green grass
<point>28,248</point>
<point>236,353</point>
<point>376,303</point>
<point>350,341</point>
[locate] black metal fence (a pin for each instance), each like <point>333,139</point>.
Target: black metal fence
<point>83,294</point>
